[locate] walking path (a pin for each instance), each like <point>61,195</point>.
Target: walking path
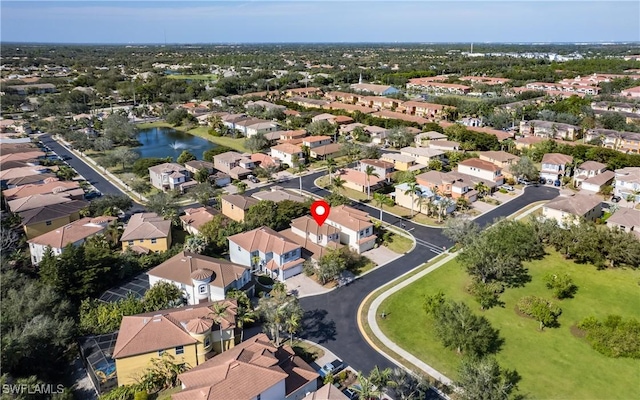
<point>390,345</point>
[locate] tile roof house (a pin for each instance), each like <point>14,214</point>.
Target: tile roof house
<point>195,218</point>
<point>74,233</point>
<point>586,170</point>
<point>548,129</point>
<point>527,142</point>
<point>555,166</point>
<point>146,232</point>
<point>37,201</point>
<point>422,139</point>
<point>37,179</point>
<point>278,194</point>
<point>235,206</point>
<point>626,219</point>
<point>169,176</point>
<point>254,369</point>
<point>444,145</point>
<point>359,181</point>
<point>237,165</point>
<point>190,334</point>
<point>265,250</point>
<point>481,169</point>
<point>316,240</point>
<point>567,209</point>
<point>597,182</point>
<point>356,228</point>
<point>401,162</point>
<point>286,153</point>
<point>201,278</point>
<point>627,182</point>
<point>423,155</point>
<point>7,175</point>
<point>22,156</point>
<point>38,221</point>
<point>326,392</point>
<point>383,169</point>
<point>381,90</point>
<point>452,184</point>
<point>194,166</point>
<point>51,186</point>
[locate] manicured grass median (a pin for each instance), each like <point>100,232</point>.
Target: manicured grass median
<point>554,364</point>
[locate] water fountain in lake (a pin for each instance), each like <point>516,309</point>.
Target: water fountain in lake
<point>177,145</point>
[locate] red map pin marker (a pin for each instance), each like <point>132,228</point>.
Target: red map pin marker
<point>320,211</point>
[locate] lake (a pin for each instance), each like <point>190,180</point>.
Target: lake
<point>167,142</point>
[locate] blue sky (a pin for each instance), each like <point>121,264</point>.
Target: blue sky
<point>314,21</point>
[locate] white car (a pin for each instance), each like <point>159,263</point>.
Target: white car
<point>508,188</point>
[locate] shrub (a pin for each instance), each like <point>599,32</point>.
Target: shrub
<point>561,284</point>
<point>614,337</point>
<point>486,294</point>
<point>540,309</point>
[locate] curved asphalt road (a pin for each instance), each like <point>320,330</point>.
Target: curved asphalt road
<point>330,319</point>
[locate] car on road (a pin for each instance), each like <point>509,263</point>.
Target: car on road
<point>92,195</point>
<point>508,188</point>
<point>332,368</point>
<point>66,158</point>
<point>616,199</point>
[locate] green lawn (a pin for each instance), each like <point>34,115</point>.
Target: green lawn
<point>399,244</point>
<point>554,364</point>
<point>236,144</point>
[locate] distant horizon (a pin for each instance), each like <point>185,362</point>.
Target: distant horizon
<point>636,42</point>
<point>278,22</point>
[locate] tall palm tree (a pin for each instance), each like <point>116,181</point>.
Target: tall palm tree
<point>369,172</point>
<point>481,188</point>
<point>292,324</point>
<point>301,169</point>
<point>381,378</point>
<point>218,312</point>
<point>413,190</point>
<point>366,389</point>
<point>338,184</point>
<point>381,200</point>
<point>244,315</point>
<point>331,167</point>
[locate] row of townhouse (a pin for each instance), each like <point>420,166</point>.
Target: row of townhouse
<point>430,85</point>
<point>626,142</point>
<point>563,88</point>
<point>549,129</point>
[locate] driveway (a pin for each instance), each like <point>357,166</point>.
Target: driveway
<point>304,286</point>
<point>381,255</point>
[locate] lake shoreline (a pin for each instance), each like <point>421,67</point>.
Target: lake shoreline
<point>201,132</point>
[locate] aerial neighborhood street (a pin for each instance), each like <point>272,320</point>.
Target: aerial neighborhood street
<point>325,220</point>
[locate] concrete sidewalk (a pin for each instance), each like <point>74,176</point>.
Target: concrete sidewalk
<point>373,311</point>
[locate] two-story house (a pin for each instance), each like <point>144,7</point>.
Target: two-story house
<point>549,129</point>
<point>253,370</point>
<point>265,250</point>
<point>571,209</point>
<point>287,153</point>
<point>502,159</point>
<point>38,221</point>
<point>315,240</point>
<point>194,166</point>
<point>356,228</point>
<point>444,145</point>
<point>169,176</point>
<point>235,206</point>
<point>481,169</point>
<point>27,203</point>
<point>401,162</point>
<point>423,155</point>
<point>190,334</point>
<point>555,166</point>
<point>234,164</point>
<point>422,139</point>
<point>74,233</point>
<point>453,184</point>
<point>627,183</point>
<point>626,219</point>
<point>201,278</point>
<point>360,181</point>
<point>146,232</point>
<point>586,170</point>
<point>195,218</point>
<point>383,169</point>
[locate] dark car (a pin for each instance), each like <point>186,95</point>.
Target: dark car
<point>92,195</point>
<point>616,199</point>
<point>557,182</point>
<point>66,158</point>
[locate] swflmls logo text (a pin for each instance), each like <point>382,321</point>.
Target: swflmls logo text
<point>32,389</point>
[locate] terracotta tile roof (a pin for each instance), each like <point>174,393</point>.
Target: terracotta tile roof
<point>480,164</point>
<point>199,164</point>
<point>196,217</point>
<point>287,148</point>
<point>350,218</point>
<point>51,212</point>
<point>326,392</point>
<point>160,330</point>
<point>52,186</point>
<point>180,268</point>
<point>349,107</point>
<point>529,140</point>
<point>27,155</point>
<point>22,172</point>
<point>421,151</point>
<point>377,163</point>
<point>592,166</point>
<point>313,139</point>
<point>625,217</point>
<point>308,225</point>
<point>499,156</point>
<point>557,159</point>
<point>360,178</point>
<point>146,226</point>
<point>73,232</point>
<point>601,178</point>
<point>327,149</point>
<point>265,240</point>
<point>501,135</point>
<point>229,156</point>
<point>245,371</point>
<point>577,205</point>
<point>242,202</point>
<point>264,159</point>
<point>167,168</point>
<point>316,250</point>
<point>37,201</point>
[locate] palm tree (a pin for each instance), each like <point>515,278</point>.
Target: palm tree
<point>381,200</point>
<point>331,167</point>
<point>195,243</point>
<point>365,390</point>
<point>370,171</point>
<point>292,324</point>
<point>218,312</point>
<point>381,378</point>
<point>301,169</point>
<point>481,188</point>
<point>338,184</point>
<point>413,190</point>
<point>244,315</point>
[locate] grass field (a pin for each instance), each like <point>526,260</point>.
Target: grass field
<point>554,364</point>
<point>399,244</point>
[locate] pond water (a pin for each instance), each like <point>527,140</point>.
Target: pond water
<point>167,142</point>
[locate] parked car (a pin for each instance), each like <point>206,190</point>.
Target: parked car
<point>507,188</point>
<point>616,199</point>
<point>333,368</point>
<point>66,158</point>
<point>525,182</point>
<point>557,183</point>
<point>253,179</point>
<point>351,392</point>
<point>92,195</point>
